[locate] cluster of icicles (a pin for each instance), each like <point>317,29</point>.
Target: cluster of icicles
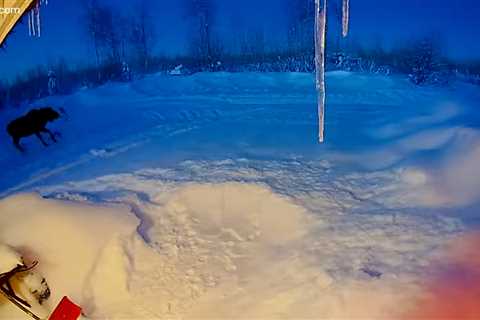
<point>320,37</point>
<point>34,21</point>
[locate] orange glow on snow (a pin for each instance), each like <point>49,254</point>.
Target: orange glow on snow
<point>453,292</point>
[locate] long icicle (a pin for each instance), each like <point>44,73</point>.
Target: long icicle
<point>30,27</point>
<point>320,31</point>
<point>32,18</point>
<point>345,17</point>
<point>37,14</point>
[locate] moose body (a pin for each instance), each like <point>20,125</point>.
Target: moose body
<point>34,122</point>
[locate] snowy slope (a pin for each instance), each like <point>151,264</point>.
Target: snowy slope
<point>372,121</point>
<point>218,202</point>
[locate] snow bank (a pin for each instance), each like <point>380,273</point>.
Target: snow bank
<point>457,181</point>
<point>94,254</point>
<point>218,250</point>
<point>243,211</point>
<point>159,120</point>
<point>260,221</point>
<point>81,248</point>
<point>452,181</point>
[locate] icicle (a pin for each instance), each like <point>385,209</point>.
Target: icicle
<point>39,26</point>
<point>320,30</point>
<point>345,17</point>
<point>30,27</point>
<point>32,23</point>
<point>37,15</point>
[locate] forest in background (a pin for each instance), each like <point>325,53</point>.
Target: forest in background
<point>123,49</point>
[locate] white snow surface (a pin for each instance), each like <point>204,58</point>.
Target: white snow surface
<point>208,196</point>
<point>227,250</point>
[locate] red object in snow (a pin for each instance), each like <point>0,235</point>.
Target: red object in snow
<point>66,310</point>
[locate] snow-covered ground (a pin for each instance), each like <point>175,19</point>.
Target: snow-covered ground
<point>208,196</point>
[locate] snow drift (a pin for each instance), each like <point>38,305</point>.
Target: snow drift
<point>223,250</point>
<point>95,255</point>
<point>81,249</point>
<point>158,216</point>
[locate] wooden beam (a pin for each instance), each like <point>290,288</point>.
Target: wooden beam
<point>8,20</point>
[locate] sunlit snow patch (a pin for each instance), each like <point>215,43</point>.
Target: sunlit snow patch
<point>81,249</point>
<point>226,249</point>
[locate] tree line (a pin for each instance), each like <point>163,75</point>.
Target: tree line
<point>124,43</point>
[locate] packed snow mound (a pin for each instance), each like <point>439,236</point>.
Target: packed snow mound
<point>9,258</point>
<point>456,181</point>
<point>224,250</point>
<point>81,248</point>
<point>94,254</point>
<point>208,237</point>
<point>217,250</point>
<point>245,211</point>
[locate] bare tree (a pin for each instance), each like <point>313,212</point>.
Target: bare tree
<point>301,26</point>
<point>142,36</point>
<point>100,26</point>
<point>253,42</point>
<point>202,15</point>
<point>423,59</point>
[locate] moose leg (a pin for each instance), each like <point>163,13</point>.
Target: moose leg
<point>16,143</point>
<point>39,136</point>
<point>50,133</point>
